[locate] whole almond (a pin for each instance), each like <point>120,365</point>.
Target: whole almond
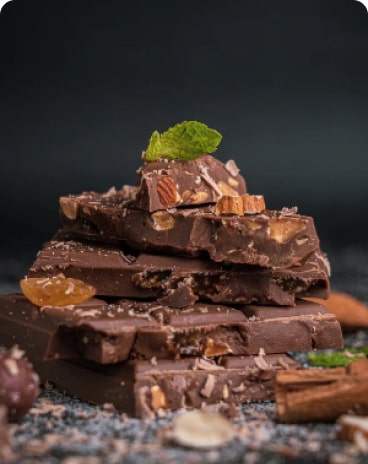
<point>167,192</point>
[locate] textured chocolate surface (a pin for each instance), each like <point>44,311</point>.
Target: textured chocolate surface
<point>142,387</point>
<point>270,239</point>
<point>169,183</point>
<point>115,271</point>
<point>194,383</point>
<point>110,333</point>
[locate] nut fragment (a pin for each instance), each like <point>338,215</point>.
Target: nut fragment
<point>199,197</point>
<point>240,204</point>
<point>230,205</point>
<point>167,192</point>
<point>216,348</point>
<point>226,189</point>
<point>253,203</point>
<point>158,398</point>
<point>209,385</point>
<point>233,182</point>
<point>69,207</point>
<point>202,430</point>
<point>162,220</point>
<point>283,229</point>
<point>232,168</point>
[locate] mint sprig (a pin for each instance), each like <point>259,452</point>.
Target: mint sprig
<point>337,358</point>
<point>185,141</point>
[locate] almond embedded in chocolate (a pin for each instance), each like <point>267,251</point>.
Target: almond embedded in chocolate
<point>167,192</point>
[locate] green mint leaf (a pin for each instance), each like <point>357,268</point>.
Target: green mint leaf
<point>337,358</point>
<point>185,141</point>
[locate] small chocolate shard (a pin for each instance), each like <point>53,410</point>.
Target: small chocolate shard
<point>166,184</point>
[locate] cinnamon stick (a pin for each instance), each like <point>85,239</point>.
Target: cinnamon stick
<point>322,395</point>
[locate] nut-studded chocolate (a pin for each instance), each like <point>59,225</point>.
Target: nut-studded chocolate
<point>167,183</point>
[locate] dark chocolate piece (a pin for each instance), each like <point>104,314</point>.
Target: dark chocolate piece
<point>275,239</point>
<point>179,281</point>
<point>109,333</point>
<point>136,387</point>
<point>193,383</point>
<point>169,183</point>
<point>305,327</point>
<point>112,333</point>
<point>18,383</point>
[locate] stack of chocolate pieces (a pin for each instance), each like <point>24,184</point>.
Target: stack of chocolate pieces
<point>199,292</point>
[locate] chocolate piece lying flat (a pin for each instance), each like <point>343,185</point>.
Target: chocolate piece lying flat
<point>193,383</point>
<point>168,183</point>
<point>179,281</point>
<point>110,333</point>
<point>276,239</point>
<point>140,387</point>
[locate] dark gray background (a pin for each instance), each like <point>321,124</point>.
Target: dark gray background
<point>84,83</point>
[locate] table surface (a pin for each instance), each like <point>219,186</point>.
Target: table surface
<point>62,429</point>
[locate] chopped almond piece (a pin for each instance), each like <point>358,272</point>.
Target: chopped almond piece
<point>253,203</point>
<point>240,205</point>
<point>230,205</point>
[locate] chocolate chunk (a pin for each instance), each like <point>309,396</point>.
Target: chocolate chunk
<point>275,239</point>
<point>110,333</point>
<point>18,383</point>
<point>140,387</point>
<point>179,281</point>
<point>183,384</point>
<point>306,327</point>
<point>167,184</point>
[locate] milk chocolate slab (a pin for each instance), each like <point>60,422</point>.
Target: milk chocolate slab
<point>116,332</point>
<point>276,239</point>
<point>140,387</point>
<point>305,327</point>
<point>211,331</point>
<point>169,183</point>
<point>197,382</point>
<point>179,281</point>
<point>110,333</point>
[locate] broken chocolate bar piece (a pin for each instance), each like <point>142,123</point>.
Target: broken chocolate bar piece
<point>116,332</point>
<point>275,239</point>
<point>166,183</point>
<point>139,387</point>
<point>110,333</point>
<point>192,383</point>
<point>179,281</point>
